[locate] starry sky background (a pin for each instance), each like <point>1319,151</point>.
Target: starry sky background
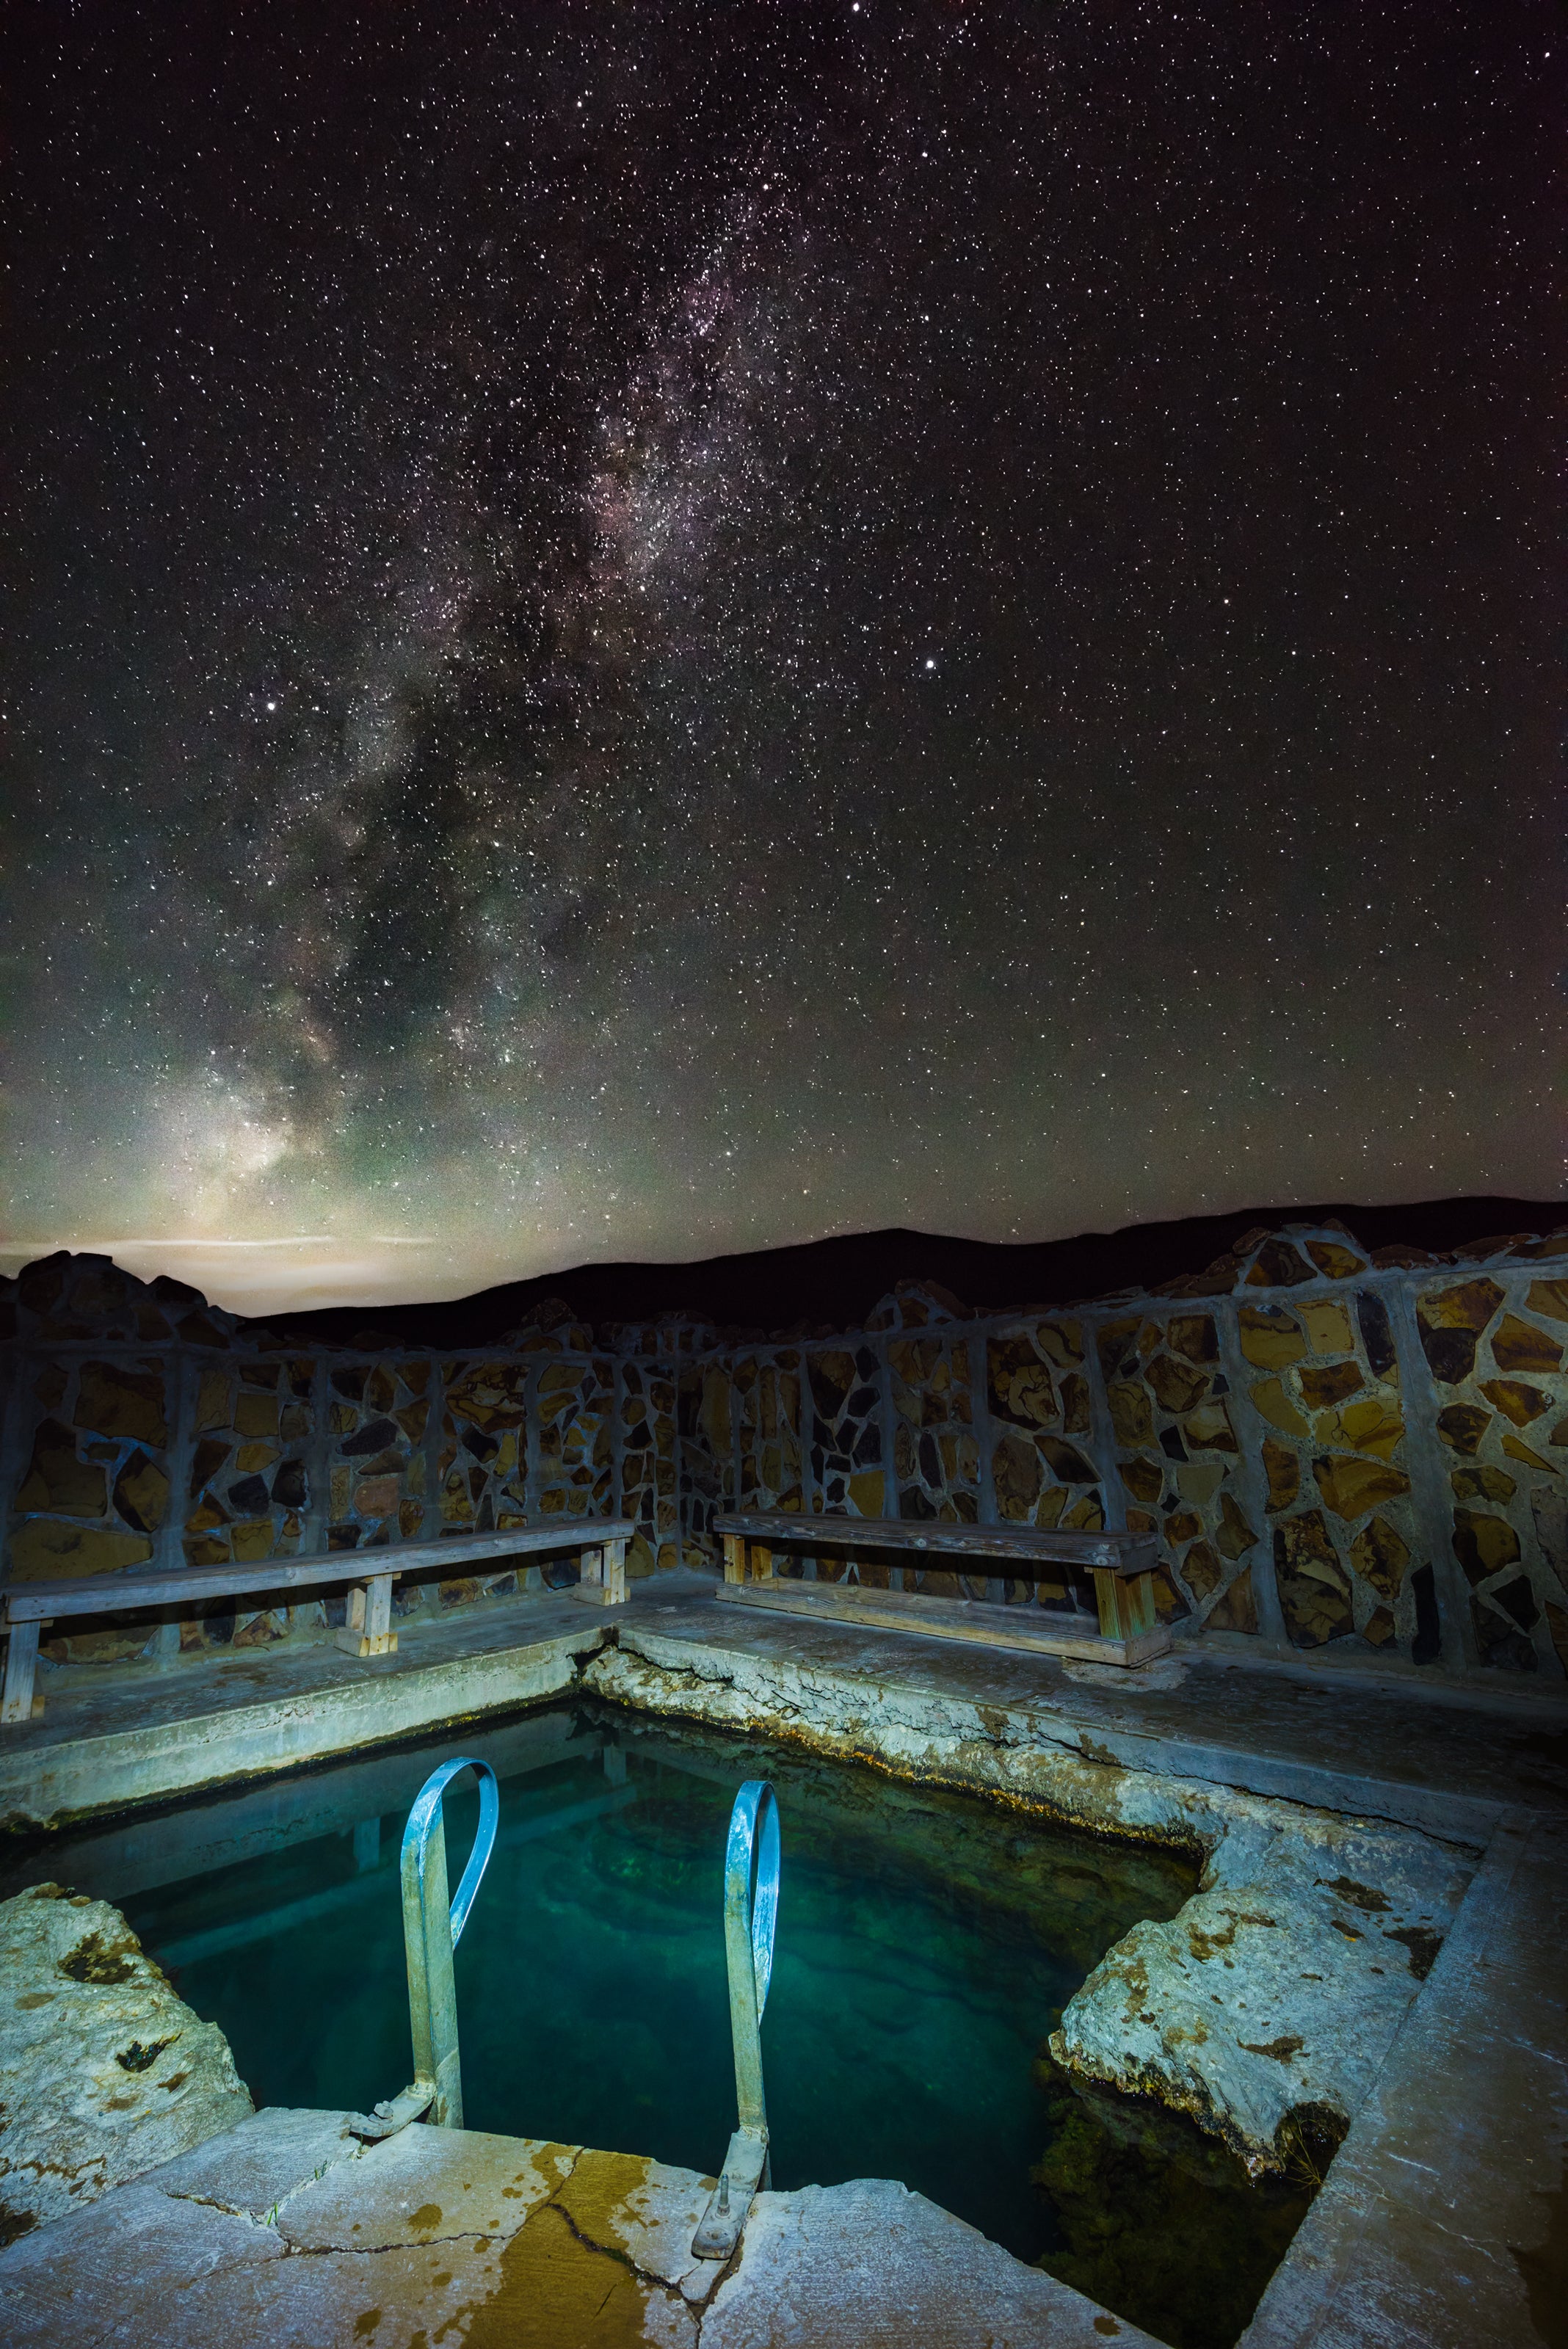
<point>642,630</point>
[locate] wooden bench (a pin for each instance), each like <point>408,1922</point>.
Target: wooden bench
<point>1122,1565</point>
<point>368,1576</point>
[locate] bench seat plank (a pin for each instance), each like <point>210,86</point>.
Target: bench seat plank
<point>945,1619</point>
<point>1112,1553</point>
<point>106,1594</point>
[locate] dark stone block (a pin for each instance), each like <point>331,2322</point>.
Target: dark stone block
<point>372,1438</point>
<point>930,1460</point>
<point>249,1497</point>
<point>1519,1600</point>
<point>1281,1266</point>
<point>475,1440</point>
<point>291,1486</point>
<point>863,1400</point>
<point>350,1384</point>
<point>1427,1645</point>
<point>1171,1445</point>
<point>1377,1338</point>
<point>869,1447</point>
<point>1067,1465</point>
<point>342,1537</point>
<point>866,1363</point>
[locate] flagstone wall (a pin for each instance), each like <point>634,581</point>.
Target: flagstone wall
<point>1338,1451</point>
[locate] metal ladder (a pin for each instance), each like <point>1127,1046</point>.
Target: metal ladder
<point>751,1914</point>
<point>432,1926</point>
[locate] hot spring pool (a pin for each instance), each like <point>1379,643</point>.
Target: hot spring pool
<point>926,1945</point>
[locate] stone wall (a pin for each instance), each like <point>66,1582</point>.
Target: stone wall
<point>143,1426</point>
<point>1342,1453</point>
<point>1336,1450</point>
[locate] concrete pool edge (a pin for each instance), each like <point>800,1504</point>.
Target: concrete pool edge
<point>1440,2220</point>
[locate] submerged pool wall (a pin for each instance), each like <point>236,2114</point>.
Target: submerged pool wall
<point>1342,1453</point>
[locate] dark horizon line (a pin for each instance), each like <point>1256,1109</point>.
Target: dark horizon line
<point>836,1281</point>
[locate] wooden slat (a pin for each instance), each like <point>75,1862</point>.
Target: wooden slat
<point>1114,1553</point>
<point>21,1661</point>
<point>974,1621</point>
<point>106,1594</point>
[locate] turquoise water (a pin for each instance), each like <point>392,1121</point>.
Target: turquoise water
<point>926,1945</point>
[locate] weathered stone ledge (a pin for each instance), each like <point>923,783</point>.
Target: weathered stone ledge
<point>104,2072</point>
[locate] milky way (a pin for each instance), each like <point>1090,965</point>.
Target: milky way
<point>645,631</point>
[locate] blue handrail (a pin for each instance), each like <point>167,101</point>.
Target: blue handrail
<point>750,1919</point>
<point>432,1926</point>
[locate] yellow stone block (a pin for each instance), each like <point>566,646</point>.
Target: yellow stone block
<point>111,1401</point>
<point>250,1456</point>
<point>1131,1414</point>
<point>1351,1487</point>
<point>1371,1425</point>
<point>1515,1400</point>
<point>1517,1448</point>
<point>1518,1345</point>
<point>251,1540</point>
<point>58,1481</point>
<point>46,1550</point>
<point>1208,1428</point>
<point>1335,1263</point>
<point>1271,1338</point>
<point>1482,1483</point>
<point>1272,1402</point>
<point>257,1414</point>
<point>1064,1341</point>
<point>867,1494</point>
<point>213,1401</point>
<point>1284,1472</point>
<point>1380,1556</point>
<point>1328,1325</point>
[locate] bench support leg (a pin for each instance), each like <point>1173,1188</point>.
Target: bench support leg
<point>21,1656</point>
<point>368,1630</point>
<point>601,1576</point>
<point>735,1558</point>
<point>1125,1602</point>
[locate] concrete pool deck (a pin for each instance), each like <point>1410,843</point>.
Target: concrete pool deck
<point>1441,2219</point>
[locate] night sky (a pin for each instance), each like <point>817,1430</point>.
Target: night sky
<point>642,630</point>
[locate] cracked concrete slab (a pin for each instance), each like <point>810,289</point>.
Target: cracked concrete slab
<point>256,2168</point>
<point>871,2266</point>
<point>508,2243</point>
